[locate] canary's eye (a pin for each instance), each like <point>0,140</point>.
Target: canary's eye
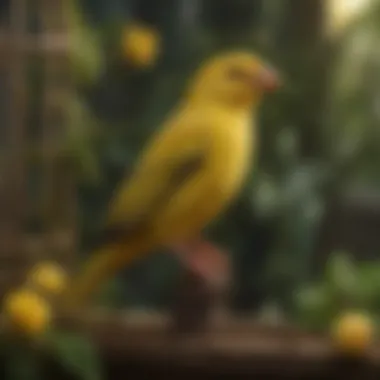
<point>238,74</point>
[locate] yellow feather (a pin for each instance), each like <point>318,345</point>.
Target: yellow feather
<point>211,133</point>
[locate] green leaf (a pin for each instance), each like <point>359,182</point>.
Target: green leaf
<point>22,362</point>
<point>86,52</point>
<point>341,276</point>
<point>81,141</point>
<point>77,354</point>
<point>315,306</point>
<point>266,197</point>
<point>369,285</point>
<point>112,294</point>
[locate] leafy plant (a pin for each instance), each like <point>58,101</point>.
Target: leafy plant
<point>21,361</point>
<point>369,285</point>
<point>81,141</point>
<point>74,353</point>
<point>87,56</point>
<point>343,285</point>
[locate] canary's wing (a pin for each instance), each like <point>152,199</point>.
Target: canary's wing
<point>170,162</point>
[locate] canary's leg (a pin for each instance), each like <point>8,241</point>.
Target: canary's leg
<point>202,286</point>
<point>204,259</point>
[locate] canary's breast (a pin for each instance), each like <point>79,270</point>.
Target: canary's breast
<point>232,157</point>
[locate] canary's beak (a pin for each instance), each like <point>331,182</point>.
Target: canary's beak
<point>268,80</point>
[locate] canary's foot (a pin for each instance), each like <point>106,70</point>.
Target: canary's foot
<point>205,260</point>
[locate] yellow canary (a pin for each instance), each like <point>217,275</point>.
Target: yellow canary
<point>189,172</point>
<point>353,333</point>
<point>49,277</point>
<point>140,45</point>
<point>27,312</point>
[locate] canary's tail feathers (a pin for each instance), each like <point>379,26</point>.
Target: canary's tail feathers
<point>102,265</point>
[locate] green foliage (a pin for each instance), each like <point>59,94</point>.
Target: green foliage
<point>81,140</point>
<point>291,197</point>
<point>318,136</point>
<point>315,307</point>
<point>344,285</point>
<point>76,354</point>
<point>22,362</point>
<point>112,294</point>
<point>86,54</point>
<point>352,128</point>
<point>341,276</point>
<point>27,360</point>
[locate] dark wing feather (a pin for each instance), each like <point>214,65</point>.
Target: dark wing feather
<point>183,170</point>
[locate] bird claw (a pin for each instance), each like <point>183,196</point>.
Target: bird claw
<point>206,261</point>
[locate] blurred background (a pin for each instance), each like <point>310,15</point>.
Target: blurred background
<point>85,82</point>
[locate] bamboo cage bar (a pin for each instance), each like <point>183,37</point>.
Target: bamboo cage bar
<point>20,248</point>
<point>53,44</point>
<point>12,192</point>
<point>58,179</point>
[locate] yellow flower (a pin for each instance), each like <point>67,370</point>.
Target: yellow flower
<point>27,312</point>
<point>353,332</point>
<point>140,45</point>
<point>48,276</point>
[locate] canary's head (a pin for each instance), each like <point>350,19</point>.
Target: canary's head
<point>235,79</point>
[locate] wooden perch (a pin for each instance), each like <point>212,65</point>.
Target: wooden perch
<point>233,346</point>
